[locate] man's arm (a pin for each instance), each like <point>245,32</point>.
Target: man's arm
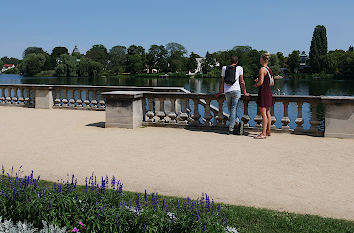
<point>243,85</point>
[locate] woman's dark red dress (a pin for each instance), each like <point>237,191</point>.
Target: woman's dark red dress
<point>265,96</point>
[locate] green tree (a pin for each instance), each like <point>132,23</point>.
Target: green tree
<point>32,63</point>
<point>35,50</point>
<point>208,63</point>
<point>54,56</point>
<point>274,64</point>
<point>319,47</point>
<point>117,58</point>
<point>157,58</point>
<point>294,60</point>
<point>98,53</point>
<point>351,49</point>
<point>1,64</point>
<point>68,66</point>
<point>281,58</point>
<point>333,61</point>
<point>11,60</point>
<point>192,63</point>
<point>176,57</point>
<point>135,59</point>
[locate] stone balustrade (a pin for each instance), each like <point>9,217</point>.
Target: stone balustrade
<point>177,107</point>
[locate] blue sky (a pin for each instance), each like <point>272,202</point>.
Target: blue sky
<point>199,25</point>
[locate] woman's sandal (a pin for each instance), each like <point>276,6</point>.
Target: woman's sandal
<point>268,134</point>
<point>260,136</point>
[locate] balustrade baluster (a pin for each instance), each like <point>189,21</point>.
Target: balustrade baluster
<point>285,120</point>
<point>79,99</point>
<point>273,119</point>
<point>72,99</point>
<point>94,101</point>
<point>2,98</point>
<point>8,98</point>
<point>161,114</point>
<point>184,114</point>
<point>172,114</point>
<point>102,103</point>
<point>314,131</point>
<point>21,98</point>
<point>299,121</point>
<point>196,114</point>
<point>151,113</point>
<point>220,117</point>
<point>87,99</point>
<point>15,99</point>
<point>57,97</point>
<point>65,100</point>
<point>207,114</point>
<point>27,97</point>
<point>245,118</point>
<point>258,119</point>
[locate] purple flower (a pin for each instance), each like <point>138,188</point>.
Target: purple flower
<point>137,204</point>
<point>75,230</point>
<point>49,204</point>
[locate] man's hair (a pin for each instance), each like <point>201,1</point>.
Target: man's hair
<point>234,59</point>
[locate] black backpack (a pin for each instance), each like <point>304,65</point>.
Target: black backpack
<point>230,75</point>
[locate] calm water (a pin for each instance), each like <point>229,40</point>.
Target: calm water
<point>211,85</point>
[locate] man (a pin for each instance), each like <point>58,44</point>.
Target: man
<point>232,84</point>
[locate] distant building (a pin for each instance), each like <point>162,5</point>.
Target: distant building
<point>6,67</point>
<point>76,50</point>
<point>304,61</point>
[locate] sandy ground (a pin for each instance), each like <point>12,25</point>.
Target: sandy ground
<point>285,172</point>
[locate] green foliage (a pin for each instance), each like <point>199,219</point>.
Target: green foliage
<point>11,60</point>
<point>103,210</point>
<point>1,64</point>
<point>68,66</point>
<point>351,49</point>
<point>35,50</point>
<point>33,63</point>
<point>294,61</point>
<point>136,59</point>
<point>55,55</point>
<point>319,47</point>
<point>176,58</point>
<point>98,53</point>
<point>192,62</point>
<point>282,60</point>
<point>118,58</point>
<point>157,58</point>
<point>89,68</point>
<point>274,64</point>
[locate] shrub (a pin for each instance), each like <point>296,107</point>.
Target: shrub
<point>102,206</point>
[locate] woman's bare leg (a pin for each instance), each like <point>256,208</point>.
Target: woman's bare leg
<point>269,117</point>
<point>263,112</point>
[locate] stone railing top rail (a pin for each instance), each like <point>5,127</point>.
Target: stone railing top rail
<point>123,88</point>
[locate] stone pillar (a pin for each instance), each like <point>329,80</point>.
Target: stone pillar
<point>43,97</point>
<point>339,118</point>
<point>123,109</point>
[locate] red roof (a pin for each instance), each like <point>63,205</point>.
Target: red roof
<point>8,65</point>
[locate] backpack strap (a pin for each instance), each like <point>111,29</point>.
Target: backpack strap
<point>271,80</point>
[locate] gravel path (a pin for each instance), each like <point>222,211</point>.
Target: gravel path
<point>285,172</point>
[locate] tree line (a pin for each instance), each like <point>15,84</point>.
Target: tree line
<point>173,58</point>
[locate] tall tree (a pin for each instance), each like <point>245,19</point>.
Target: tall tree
<point>157,57</point>
<point>98,53</point>
<point>319,47</point>
<point>176,57</point>
<point>56,53</point>
<point>117,58</point>
<point>192,63</point>
<point>135,59</point>
<point>281,59</point>
<point>294,60</point>
<point>32,63</point>
<point>68,66</point>
<point>1,64</point>
<point>274,64</point>
<point>351,49</point>
<point>35,50</point>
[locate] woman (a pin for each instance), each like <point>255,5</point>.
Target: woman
<point>265,97</point>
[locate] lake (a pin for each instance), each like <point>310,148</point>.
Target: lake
<point>331,87</point>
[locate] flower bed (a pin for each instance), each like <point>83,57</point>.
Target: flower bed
<point>102,206</point>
